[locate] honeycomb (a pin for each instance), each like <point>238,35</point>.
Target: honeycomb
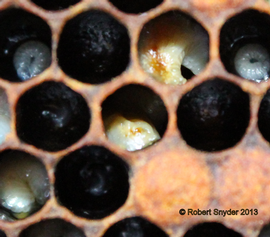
<point>192,166</point>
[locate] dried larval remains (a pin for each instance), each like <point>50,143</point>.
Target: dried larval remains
<point>173,48</point>
<point>24,185</point>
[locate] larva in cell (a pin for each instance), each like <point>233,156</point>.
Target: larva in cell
<point>31,59</point>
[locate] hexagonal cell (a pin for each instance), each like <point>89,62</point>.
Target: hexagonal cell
<point>136,6</point>
<point>94,47</point>
<point>211,229</point>
<point>24,185</point>
<point>51,116</point>
<point>134,117</point>
<point>4,116</point>
<point>264,116</point>
<point>214,115</point>
<point>25,45</point>
<point>134,226</point>
<point>92,182</point>
<point>173,48</point>
<point>52,228</point>
<point>55,5</point>
<point>245,47</point>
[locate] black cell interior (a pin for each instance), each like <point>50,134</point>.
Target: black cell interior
<point>92,182</point>
<point>214,115</point>
<point>2,233</point>
<point>136,6</point>
<point>52,228</point>
<point>248,27</point>
<point>93,47</point>
<point>55,4</point>
<point>265,232</point>
<point>137,101</point>
<point>211,229</point>
<point>264,116</point>
<point>51,116</point>
<point>134,226</point>
<point>17,27</point>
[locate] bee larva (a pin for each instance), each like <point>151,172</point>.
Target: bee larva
<point>170,42</point>
<point>4,116</point>
<point>252,62</point>
<point>31,58</point>
<point>24,185</point>
<point>130,134</point>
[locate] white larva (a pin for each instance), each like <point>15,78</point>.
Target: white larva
<point>130,134</point>
<point>4,116</point>
<point>31,58</point>
<point>24,184</point>
<point>252,62</point>
<point>170,41</point>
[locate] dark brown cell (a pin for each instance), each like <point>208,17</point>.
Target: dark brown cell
<point>214,115</point>
<point>93,47</point>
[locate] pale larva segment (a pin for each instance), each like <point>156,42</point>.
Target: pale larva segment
<point>4,116</point>
<point>130,134</point>
<point>169,42</point>
<point>5,216</point>
<point>198,47</point>
<point>19,189</point>
<point>17,204</point>
<point>252,62</point>
<point>31,58</point>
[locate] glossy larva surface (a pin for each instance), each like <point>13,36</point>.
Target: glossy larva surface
<point>24,185</point>
<point>252,61</point>
<point>130,134</point>
<point>31,59</point>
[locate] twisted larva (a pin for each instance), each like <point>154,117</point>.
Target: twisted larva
<point>170,41</point>
<point>252,62</point>
<point>130,134</point>
<point>24,185</point>
<point>31,58</point>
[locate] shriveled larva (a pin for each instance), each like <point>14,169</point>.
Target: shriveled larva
<point>24,184</point>
<point>170,41</point>
<point>4,116</point>
<point>130,134</point>
<point>31,58</point>
<point>252,61</point>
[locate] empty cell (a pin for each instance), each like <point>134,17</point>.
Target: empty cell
<point>134,226</point>
<point>51,116</point>
<point>93,47</point>
<point>92,182</point>
<point>52,228</point>
<point>136,6</point>
<point>211,229</point>
<point>55,5</point>
<point>214,115</point>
